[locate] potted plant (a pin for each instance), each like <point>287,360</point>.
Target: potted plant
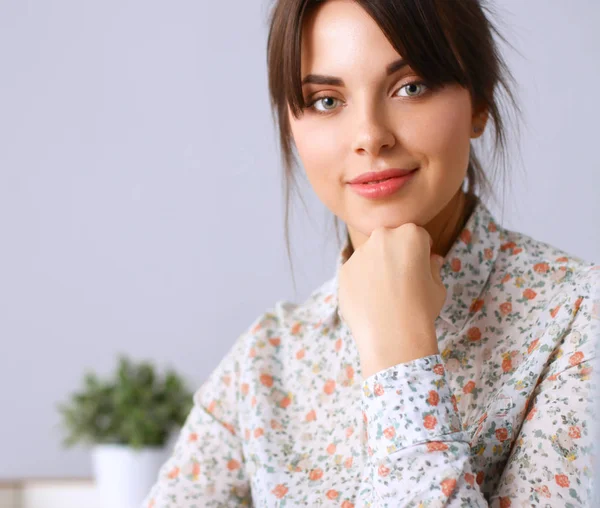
<point>128,420</point>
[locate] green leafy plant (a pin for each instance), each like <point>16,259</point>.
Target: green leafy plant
<point>137,407</point>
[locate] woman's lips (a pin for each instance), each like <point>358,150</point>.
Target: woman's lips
<point>382,188</point>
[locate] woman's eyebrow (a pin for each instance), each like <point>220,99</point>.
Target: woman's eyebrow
<point>320,79</point>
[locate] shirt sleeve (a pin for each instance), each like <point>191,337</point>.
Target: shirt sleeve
<point>207,465</point>
<point>420,455</point>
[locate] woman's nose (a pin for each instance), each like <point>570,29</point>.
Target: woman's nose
<point>373,134</point>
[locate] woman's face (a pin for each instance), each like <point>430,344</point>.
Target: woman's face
<point>369,120</point>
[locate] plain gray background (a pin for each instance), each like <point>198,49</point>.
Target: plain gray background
<point>140,190</point>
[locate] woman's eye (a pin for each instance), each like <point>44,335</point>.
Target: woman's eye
<point>411,86</point>
<point>327,104</point>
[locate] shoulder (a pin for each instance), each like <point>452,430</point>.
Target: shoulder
<point>287,320</point>
<point>552,288</point>
<point>534,262</point>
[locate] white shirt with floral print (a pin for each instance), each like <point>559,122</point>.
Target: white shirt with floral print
<point>501,417</point>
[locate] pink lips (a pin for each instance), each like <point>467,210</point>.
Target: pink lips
<point>379,184</point>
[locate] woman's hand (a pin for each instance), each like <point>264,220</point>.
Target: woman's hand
<point>390,294</point>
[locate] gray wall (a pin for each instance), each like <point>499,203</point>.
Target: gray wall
<point>140,191</point>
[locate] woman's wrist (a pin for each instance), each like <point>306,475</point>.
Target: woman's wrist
<point>417,345</point>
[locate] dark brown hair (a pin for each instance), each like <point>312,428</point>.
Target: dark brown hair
<point>445,42</point>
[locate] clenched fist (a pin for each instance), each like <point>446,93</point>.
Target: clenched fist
<point>390,294</point>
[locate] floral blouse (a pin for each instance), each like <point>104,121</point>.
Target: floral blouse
<point>501,417</point>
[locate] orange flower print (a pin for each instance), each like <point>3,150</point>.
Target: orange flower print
<point>465,236</point>
<point>350,371</point>
<point>456,265</point>
<point>338,345</point>
<point>448,486</point>
<point>438,368</point>
<point>174,473</point>
<point>429,422</point>
<point>349,432</point>
<point>233,465</point>
<point>258,432</point>
<point>328,298</point>
<point>379,391</point>
<point>433,398</point>
<point>554,311</point>
<point>506,364</point>
<point>476,306</point>
<point>316,474</point>
<point>492,227</point>
<point>244,388</point>
<point>454,402</point>
<point>529,294</point>
<point>436,446</point>
<point>192,437</point>
<point>574,432</point>
<point>389,433</point>
<point>300,354</point>
<point>347,504</point>
<point>562,480</point>
<point>275,341</point>
<point>280,491</point>
<point>195,471</point>
<point>229,427</point>
<point>562,259</point>
<point>474,334</point>
<point>480,477</point>
<point>488,253</point>
<point>329,387</point>
<point>516,251</point>
<point>508,246</point>
<point>506,278</point>
<point>332,494</point>
<point>531,414</point>
<point>470,479</point>
<point>296,328</point>
<point>468,388</point>
<point>541,267</point>
<point>311,416</point>
<point>266,380</point>
<point>383,471</point>
<point>227,380</point>
<point>501,434</point>
<point>331,449</point>
<point>544,491</point>
<point>577,304</point>
<point>576,358</point>
<point>348,462</point>
<point>504,502</point>
<point>533,346</point>
<point>252,353</point>
<point>285,402</point>
<point>506,308</point>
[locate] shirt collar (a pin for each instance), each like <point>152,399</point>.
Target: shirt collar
<point>466,270</point>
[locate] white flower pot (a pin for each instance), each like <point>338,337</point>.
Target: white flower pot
<point>123,475</point>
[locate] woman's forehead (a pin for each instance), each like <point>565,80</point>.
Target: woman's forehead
<point>340,37</point>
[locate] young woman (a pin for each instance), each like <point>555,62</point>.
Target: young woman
<point>447,362</point>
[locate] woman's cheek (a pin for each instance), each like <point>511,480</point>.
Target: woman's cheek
<point>320,150</point>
